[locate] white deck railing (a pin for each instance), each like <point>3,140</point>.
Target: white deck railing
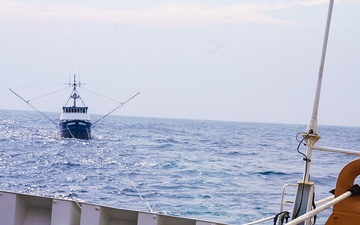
<point>321,201</point>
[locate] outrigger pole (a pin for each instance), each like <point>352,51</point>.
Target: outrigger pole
<point>28,102</point>
<point>123,103</point>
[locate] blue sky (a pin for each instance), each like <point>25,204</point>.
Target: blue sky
<point>248,60</point>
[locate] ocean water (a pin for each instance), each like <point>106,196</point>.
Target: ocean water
<point>229,172</point>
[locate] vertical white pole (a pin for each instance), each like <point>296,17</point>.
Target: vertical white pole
<point>312,127</point>
<point>311,135</point>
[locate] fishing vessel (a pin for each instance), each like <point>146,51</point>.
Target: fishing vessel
<point>23,209</point>
<point>75,119</point>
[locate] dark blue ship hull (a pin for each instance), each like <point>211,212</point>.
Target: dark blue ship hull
<point>75,129</point>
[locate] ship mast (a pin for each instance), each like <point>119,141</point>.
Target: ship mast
<point>311,134</point>
<point>312,126</point>
<point>75,94</point>
<point>305,188</point>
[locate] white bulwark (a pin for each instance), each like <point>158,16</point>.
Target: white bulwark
<point>21,209</point>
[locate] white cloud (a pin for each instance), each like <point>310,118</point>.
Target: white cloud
<point>181,14</point>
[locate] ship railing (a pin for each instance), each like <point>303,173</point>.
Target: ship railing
<point>319,202</point>
<point>336,150</point>
<point>316,211</point>
<point>327,202</point>
<point>284,202</point>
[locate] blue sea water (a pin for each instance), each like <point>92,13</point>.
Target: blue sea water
<point>229,172</point>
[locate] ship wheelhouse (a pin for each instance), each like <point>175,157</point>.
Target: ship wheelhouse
<point>75,113</point>
<point>71,109</point>
<point>74,119</point>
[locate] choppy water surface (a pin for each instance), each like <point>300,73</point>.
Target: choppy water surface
<point>229,172</point>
